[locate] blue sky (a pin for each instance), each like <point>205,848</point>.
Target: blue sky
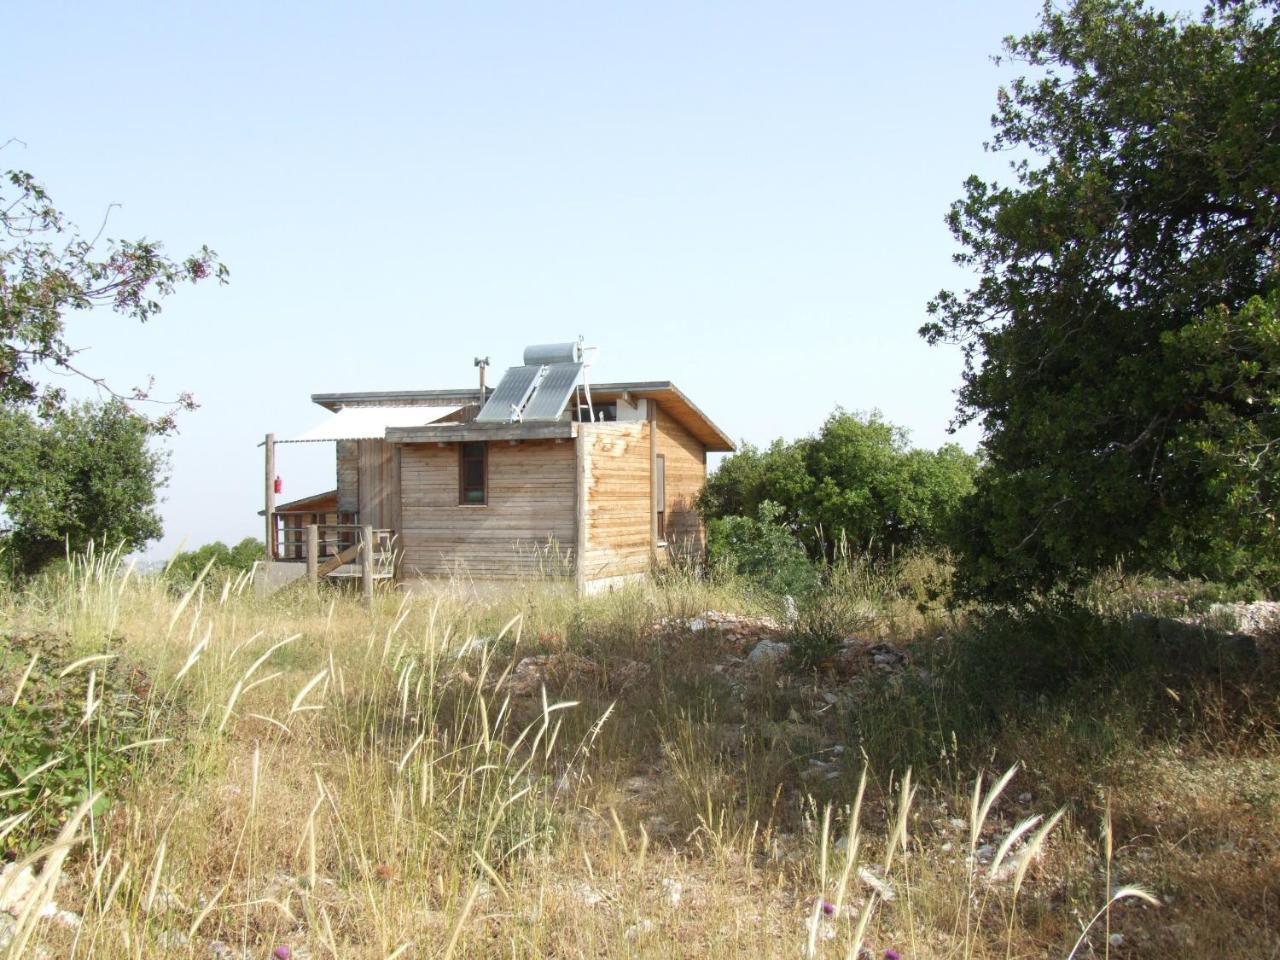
<point>744,198</point>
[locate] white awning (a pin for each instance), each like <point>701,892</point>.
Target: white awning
<point>370,423</point>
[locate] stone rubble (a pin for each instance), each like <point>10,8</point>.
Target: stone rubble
<point>17,887</point>
<point>637,930</point>
<point>735,632</point>
<point>1244,629</point>
<point>674,890</point>
<point>768,653</point>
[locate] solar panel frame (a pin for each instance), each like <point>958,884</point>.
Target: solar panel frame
<point>512,392</point>
<point>554,389</point>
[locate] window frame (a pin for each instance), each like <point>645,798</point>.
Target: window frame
<point>660,497</point>
<point>462,473</point>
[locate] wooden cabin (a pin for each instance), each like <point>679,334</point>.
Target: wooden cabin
<point>536,477</point>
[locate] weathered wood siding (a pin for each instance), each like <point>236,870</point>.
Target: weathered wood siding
<point>378,484</point>
<point>348,476</point>
<point>686,472</point>
<point>527,526</point>
<point>615,476</point>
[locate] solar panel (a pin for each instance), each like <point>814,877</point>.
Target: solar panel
<point>553,392</point>
<point>512,392</point>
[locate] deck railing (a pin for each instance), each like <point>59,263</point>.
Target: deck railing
<point>350,550</point>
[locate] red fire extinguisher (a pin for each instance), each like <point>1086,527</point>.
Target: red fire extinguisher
<point>279,485</point>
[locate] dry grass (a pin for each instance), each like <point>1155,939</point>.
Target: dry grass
<point>382,782</point>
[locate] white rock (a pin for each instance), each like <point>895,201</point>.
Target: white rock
<point>770,652</point>
<point>589,895</point>
<point>1250,618</point>
<point>15,885</point>
<point>638,929</point>
<point>675,890</point>
<point>875,883</point>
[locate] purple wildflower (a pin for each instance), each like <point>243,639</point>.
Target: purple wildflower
<point>282,952</point>
<point>892,954</point>
<point>828,907</point>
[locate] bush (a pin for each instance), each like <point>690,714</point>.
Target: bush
<point>185,567</point>
<point>825,620</point>
<point>762,551</point>
<point>86,473</point>
<point>42,725</point>
<point>857,482</point>
<point>1102,683</point>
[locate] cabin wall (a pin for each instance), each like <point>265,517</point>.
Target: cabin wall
<point>527,527</point>
<point>369,482</point>
<point>348,476</point>
<point>616,509</point>
<point>378,484</point>
<point>686,473</point>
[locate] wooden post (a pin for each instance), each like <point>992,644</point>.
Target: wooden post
<point>651,414</point>
<point>270,541</point>
<point>313,551</point>
<point>366,562</point>
<point>580,491</point>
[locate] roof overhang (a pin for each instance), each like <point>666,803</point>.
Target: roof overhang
<point>664,392</point>
<point>371,422</point>
<point>326,502</point>
<point>671,399</point>
<point>470,432</point>
<point>397,398</point>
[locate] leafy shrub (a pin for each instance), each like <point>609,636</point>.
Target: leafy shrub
<point>50,757</point>
<point>824,620</point>
<point>1102,683</point>
<point>857,482</point>
<point>762,551</point>
<point>78,474</point>
<point>185,567</point>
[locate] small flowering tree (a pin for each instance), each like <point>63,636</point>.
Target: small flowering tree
<point>75,473</point>
<point>47,268</point>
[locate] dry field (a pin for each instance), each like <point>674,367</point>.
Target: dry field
<point>519,774</point>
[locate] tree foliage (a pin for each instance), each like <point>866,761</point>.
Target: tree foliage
<point>858,481</point>
<point>80,473</point>
<point>48,268</point>
<point>763,550</point>
<point>186,566</point>
<point>71,473</point>
<point>1121,341</point>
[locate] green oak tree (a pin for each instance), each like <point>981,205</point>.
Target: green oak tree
<point>1121,339</point>
<point>78,473</point>
<point>857,482</point>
